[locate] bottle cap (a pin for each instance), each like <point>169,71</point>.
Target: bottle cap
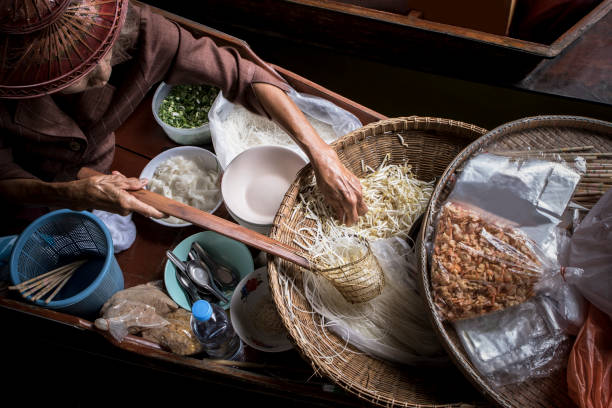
<point>201,310</point>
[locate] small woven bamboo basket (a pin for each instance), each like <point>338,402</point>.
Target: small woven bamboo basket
<point>562,134</point>
<point>429,145</point>
<point>358,281</point>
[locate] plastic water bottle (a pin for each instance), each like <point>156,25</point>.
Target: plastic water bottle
<point>214,330</point>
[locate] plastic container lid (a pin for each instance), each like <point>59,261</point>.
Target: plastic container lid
<point>201,310</point>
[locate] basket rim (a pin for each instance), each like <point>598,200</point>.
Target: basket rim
<point>374,129</point>
<point>86,292</point>
<point>461,361</point>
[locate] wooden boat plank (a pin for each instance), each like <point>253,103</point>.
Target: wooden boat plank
<point>583,71</point>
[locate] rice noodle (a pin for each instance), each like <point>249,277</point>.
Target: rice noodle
<point>188,181</point>
<point>243,129</point>
<point>392,326</point>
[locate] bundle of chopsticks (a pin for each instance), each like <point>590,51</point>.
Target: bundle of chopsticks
<point>53,280</point>
<point>593,184</point>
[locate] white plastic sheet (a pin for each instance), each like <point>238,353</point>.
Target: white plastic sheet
<point>341,121</point>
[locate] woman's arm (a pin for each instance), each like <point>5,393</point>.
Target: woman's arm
<point>340,187</point>
<point>200,60</point>
<point>105,192</point>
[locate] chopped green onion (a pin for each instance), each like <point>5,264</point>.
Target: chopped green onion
<point>187,106</point>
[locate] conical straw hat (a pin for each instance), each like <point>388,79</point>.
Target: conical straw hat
<point>46,45</point>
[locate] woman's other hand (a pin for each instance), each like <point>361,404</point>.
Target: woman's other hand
<point>340,187</point>
<point>110,193</point>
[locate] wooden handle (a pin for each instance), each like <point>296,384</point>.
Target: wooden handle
<point>212,222</point>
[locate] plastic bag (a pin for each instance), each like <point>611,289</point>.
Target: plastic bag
<point>132,310</point>
<point>150,294</point>
<point>128,317</point>
<point>340,120</point>
<point>496,236</point>
<point>589,370</point>
<point>510,347</point>
<point>495,265</point>
<point>589,258</point>
<point>177,335</point>
<point>121,228</point>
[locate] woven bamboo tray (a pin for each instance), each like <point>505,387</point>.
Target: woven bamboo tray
<point>542,132</point>
<point>431,145</point>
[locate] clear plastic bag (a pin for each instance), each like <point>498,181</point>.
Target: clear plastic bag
<point>132,310</point>
<point>322,110</point>
<point>495,265</point>
<point>589,258</point>
<point>127,317</point>
<point>496,236</point>
<point>511,346</point>
<point>175,336</point>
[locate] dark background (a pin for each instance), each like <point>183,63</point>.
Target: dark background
<point>49,362</point>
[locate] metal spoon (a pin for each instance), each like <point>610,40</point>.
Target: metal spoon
<point>201,278</point>
<point>226,277</point>
<point>183,279</point>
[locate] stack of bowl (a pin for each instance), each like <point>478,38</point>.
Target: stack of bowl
<point>255,182</point>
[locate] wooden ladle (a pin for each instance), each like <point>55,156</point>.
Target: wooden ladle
<point>358,281</point>
<point>212,222</point>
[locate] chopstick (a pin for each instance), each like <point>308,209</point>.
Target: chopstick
<point>42,284</point>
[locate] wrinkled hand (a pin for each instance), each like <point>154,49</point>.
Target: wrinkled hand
<point>340,187</point>
<point>110,193</point>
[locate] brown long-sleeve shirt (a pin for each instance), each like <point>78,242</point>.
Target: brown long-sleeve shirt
<point>53,136</point>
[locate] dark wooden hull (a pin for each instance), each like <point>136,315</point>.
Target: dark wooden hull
<point>404,40</point>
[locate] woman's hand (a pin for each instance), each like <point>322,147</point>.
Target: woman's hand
<point>110,193</point>
<point>340,187</point>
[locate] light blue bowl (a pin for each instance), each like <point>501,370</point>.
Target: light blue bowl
<point>222,249</point>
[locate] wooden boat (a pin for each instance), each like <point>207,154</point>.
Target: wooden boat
<point>399,39</point>
<point>144,261</point>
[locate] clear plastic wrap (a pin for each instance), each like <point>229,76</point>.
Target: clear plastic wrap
<point>495,266</point>
<point>129,317</point>
<point>510,346</point>
<point>589,255</point>
<point>145,310</point>
<point>496,236</point>
<point>323,111</point>
<point>132,310</point>
<point>177,335</point>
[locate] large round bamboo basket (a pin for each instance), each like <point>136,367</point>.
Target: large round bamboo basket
<point>537,133</point>
<point>429,144</point>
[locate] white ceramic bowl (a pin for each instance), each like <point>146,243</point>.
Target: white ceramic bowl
<point>254,316</point>
<point>209,160</point>
<point>193,136</point>
<point>255,182</point>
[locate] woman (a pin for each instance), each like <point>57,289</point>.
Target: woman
<point>60,105</point>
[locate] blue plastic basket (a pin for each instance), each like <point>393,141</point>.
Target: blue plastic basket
<point>59,238</point>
